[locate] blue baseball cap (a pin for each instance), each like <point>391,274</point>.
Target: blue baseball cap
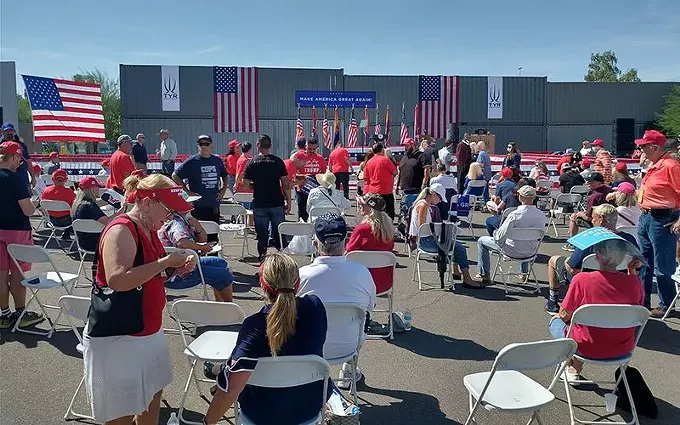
<point>330,228</point>
<point>301,142</point>
<point>8,126</point>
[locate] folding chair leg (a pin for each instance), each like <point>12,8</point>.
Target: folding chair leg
<point>635,420</point>
<point>49,239</point>
<point>473,408</point>
<point>70,412</point>
<point>391,309</point>
<point>180,414</point>
<point>672,305</point>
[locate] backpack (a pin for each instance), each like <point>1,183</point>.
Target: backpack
<point>645,404</point>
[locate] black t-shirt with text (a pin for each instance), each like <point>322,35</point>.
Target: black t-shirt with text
<point>571,179</point>
<point>265,172</point>
<point>14,189</point>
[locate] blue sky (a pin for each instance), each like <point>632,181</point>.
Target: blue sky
<point>492,37</point>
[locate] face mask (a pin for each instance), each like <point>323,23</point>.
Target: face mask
<point>509,149</point>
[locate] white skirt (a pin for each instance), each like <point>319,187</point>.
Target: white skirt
<point>123,373</point>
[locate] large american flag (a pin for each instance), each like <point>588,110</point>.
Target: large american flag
<point>352,133</point>
<point>235,100</point>
<point>438,101</point>
<point>65,111</point>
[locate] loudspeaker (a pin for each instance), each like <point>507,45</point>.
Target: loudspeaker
<point>2,121</point>
<point>452,132</point>
<point>623,136</point>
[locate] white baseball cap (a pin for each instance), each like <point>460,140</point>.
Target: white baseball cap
<point>439,190</point>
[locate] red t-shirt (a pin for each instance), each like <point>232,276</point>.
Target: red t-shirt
<point>337,160</point>
<point>603,288</point>
<point>290,169</point>
<point>121,167</point>
<point>230,163</point>
<point>362,239</point>
<point>240,169</point>
<point>314,163</point>
<point>379,175</point>
<point>154,289</point>
<point>59,193</point>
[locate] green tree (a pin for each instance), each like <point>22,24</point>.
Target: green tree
<point>603,68</point>
<point>669,119</point>
<point>110,88</point>
<point>24,109</point>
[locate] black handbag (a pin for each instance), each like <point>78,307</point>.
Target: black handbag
<point>644,400</point>
<point>116,313</point>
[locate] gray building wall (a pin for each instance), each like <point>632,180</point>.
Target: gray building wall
<point>8,92</point>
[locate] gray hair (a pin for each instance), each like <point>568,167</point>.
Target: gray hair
<point>608,213</point>
<point>610,253</point>
<point>332,248</point>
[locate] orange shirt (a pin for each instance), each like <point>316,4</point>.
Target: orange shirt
<point>603,165</point>
<point>230,163</point>
<point>337,160</point>
<point>240,169</point>
<point>661,185</point>
<point>59,193</point>
<point>121,167</point>
<point>379,175</point>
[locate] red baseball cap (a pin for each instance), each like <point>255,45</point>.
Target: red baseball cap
<point>506,172</point>
<point>585,163</point>
<point>171,197</point>
<point>598,142</point>
<point>621,167</point>
<point>87,183</point>
<point>652,137</point>
<point>106,163</point>
<point>233,144</point>
<point>53,155</point>
<point>409,141</point>
<point>10,148</point>
<point>36,168</point>
<point>59,175</point>
<point>140,174</point>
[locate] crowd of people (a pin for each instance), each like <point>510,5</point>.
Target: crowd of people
<point>127,362</point>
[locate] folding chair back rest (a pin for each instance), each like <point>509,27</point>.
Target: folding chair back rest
<point>243,197</point>
<point>525,234</point>
<point>340,317</point>
<point>210,227</point>
<point>477,183</point>
<point>87,226</point>
<point>506,213</point>
<point>29,253</point>
<point>590,263</point>
<point>611,316</point>
<point>289,371</point>
<point>232,209</point>
<point>296,229</point>
<point>568,198</point>
<point>373,259</point>
<point>54,206</point>
<point>546,184</point>
<point>580,189</point>
<point>535,355</point>
<point>208,313</point>
<point>75,307</point>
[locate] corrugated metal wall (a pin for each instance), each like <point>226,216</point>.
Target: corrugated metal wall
<point>523,100</point>
<point>389,90</point>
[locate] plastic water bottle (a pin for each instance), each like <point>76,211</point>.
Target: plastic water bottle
<point>174,420</point>
<point>407,320</point>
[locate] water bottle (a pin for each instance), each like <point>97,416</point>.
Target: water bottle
<point>174,420</point>
<point>407,320</point>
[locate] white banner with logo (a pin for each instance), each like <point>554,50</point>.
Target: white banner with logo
<point>494,98</point>
<point>170,87</point>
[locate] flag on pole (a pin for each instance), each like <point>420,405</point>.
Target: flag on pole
<point>325,131</point>
<point>235,106</point>
<point>404,127</point>
<point>336,127</point>
<point>299,128</point>
<point>366,136</point>
<point>378,130</point>
<point>416,122</point>
<point>315,129</point>
<point>65,111</point>
<point>438,100</point>
<point>352,133</point>
<point>387,126</point>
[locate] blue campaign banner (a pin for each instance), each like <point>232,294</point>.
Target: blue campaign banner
<point>341,99</point>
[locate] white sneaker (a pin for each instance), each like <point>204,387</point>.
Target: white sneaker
<point>572,376</point>
<point>345,376</point>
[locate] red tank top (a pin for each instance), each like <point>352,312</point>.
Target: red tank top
<point>154,289</point>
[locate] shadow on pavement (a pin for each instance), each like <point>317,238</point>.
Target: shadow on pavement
<point>409,408</point>
<point>435,346</point>
<point>489,293</point>
<point>63,339</point>
<point>658,336</point>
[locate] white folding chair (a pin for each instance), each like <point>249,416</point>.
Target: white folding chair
<point>284,372</point>
<point>563,200</point>
<point>319,211</point>
<point>92,227</point>
<point>590,263</point>
<point>244,197</point>
<point>289,228</point>
<point>48,280</point>
<point>506,389</point>
<point>476,184</point>
<point>47,179</point>
<point>212,228</point>
<point>204,286</point>
<point>340,317</point>
<point>607,316</point>
<point>55,206</point>
<point>506,213</point>
<point>76,308</point>
<point>377,260</point>
<point>582,190</point>
<point>102,179</point>
<point>214,346</point>
<point>674,304</point>
<point>544,198</point>
<point>238,229</point>
<point>525,235</point>
<point>425,231</point>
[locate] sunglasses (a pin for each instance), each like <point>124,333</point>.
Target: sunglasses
<point>170,212</point>
<point>205,144</point>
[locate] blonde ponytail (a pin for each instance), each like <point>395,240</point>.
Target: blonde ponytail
<point>280,276</point>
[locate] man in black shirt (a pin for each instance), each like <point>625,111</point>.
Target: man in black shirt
<point>570,178</point>
<point>411,172</point>
<point>139,154</point>
<point>266,174</point>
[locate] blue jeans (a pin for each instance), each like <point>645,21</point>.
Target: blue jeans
<point>485,244</point>
<point>215,272</point>
<point>429,244</point>
<point>493,223</point>
<point>231,181</point>
<point>168,167</point>
<point>657,244</point>
<point>264,218</point>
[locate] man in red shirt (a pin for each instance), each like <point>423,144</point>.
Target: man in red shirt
<point>340,164</point>
<point>59,192</point>
<point>311,163</point>
<point>121,164</point>
<point>379,175</point>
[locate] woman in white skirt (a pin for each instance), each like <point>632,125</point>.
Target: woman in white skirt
<point>125,373</point>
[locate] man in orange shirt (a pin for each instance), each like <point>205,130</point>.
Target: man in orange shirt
<point>59,192</point>
<point>339,163</point>
<point>603,161</point>
<point>379,175</point>
<point>121,164</point>
<point>659,225</point>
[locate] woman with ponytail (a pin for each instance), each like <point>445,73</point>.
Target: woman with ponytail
<point>287,326</point>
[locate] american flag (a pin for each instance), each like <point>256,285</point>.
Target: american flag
<point>235,100</point>
<point>387,126</point>
<point>65,111</point>
<point>325,130</point>
<point>352,134</point>
<point>404,127</point>
<point>377,120</point>
<point>438,101</point>
<point>299,128</point>
<point>366,136</point>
